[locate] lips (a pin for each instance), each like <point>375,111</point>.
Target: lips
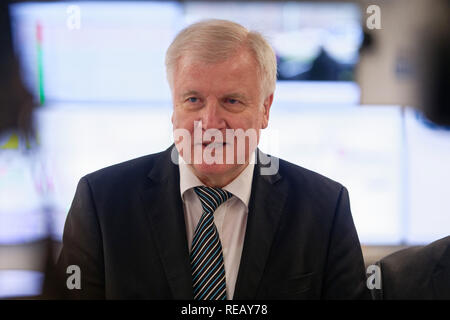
<point>214,144</point>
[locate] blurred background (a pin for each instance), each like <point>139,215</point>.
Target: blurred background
<point>362,97</point>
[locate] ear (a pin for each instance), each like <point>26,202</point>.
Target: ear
<point>266,105</point>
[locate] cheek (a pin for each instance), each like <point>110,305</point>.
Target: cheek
<point>182,139</point>
<point>246,121</point>
<point>182,121</point>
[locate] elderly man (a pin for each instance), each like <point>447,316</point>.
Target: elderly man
<point>212,217</point>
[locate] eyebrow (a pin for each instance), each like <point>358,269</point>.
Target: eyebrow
<point>190,93</point>
<point>236,95</point>
<point>233,95</point>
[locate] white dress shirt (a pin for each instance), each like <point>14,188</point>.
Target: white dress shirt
<point>230,218</point>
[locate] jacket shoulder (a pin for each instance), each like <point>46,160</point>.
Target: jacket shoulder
<point>408,273</point>
<point>133,170</point>
<point>308,180</point>
<point>418,257</point>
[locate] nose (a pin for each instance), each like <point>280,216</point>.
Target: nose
<point>212,115</point>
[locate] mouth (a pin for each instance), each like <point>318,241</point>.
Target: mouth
<point>214,144</point>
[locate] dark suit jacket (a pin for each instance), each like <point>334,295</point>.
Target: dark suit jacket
<point>421,272</point>
<point>126,232</point>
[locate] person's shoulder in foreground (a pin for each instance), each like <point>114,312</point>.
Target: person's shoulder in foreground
<point>419,272</point>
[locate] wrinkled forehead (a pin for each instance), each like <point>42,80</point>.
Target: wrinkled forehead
<point>238,69</point>
<point>242,54</point>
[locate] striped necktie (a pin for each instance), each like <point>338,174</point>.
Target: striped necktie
<point>208,271</point>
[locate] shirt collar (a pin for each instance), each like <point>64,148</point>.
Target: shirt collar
<point>240,187</point>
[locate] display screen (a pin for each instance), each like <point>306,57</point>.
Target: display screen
<point>97,69</point>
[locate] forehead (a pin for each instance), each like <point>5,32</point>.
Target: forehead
<point>239,70</point>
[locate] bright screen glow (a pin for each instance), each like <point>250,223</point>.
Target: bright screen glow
<point>105,100</point>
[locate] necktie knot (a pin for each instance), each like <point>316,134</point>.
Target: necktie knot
<point>211,198</point>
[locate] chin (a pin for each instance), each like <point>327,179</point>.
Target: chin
<point>213,169</point>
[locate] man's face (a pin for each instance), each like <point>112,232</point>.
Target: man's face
<point>225,95</point>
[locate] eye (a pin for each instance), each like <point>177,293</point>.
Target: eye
<point>193,99</point>
<point>232,101</point>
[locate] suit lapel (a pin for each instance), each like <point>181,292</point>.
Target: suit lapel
<point>266,203</point>
<point>164,211</point>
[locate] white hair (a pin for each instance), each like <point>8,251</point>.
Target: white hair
<point>213,41</point>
